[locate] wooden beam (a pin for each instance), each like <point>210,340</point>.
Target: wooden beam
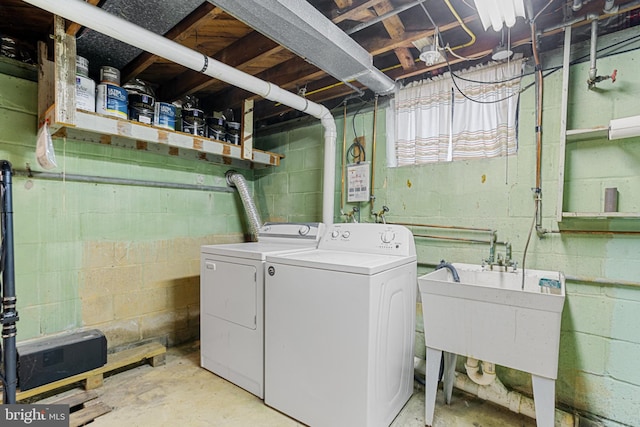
<point>355,12</point>
<point>251,49</point>
<point>287,75</point>
<point>281,75</point>
<point>343,4</point>
<point>178,33</point>
<point>395,29</point>
<point>241,54</point>
<point>379,45</point>
<point>73,28</point>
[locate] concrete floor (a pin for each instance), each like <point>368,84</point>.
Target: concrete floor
<point>182,393</point>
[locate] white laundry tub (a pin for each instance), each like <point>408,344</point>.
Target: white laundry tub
<point>488,316</point>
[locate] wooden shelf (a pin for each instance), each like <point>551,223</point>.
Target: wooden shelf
<point>97,128</point>
<point>57,106</point>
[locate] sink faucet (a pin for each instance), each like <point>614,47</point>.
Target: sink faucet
<point>498,260</point>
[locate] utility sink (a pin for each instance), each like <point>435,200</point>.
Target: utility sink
<point>490,317</point>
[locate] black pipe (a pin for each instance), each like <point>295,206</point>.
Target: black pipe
<point>9,315</point>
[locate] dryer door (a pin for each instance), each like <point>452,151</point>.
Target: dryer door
<point>229,292</point>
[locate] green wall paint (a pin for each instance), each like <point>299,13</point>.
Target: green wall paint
<point>599,341</point>
<point>73,239</point>
<point>62,227</point>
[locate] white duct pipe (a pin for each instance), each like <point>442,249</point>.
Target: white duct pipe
<point>95,18</point>
<point>488,374</point>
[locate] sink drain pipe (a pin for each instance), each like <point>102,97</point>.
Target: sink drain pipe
<point>97,19</point>
<point>497,393</point>
<point>237,180</point>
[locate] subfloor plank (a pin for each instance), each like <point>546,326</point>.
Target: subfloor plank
<point>88,413</point>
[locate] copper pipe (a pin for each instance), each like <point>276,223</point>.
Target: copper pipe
<point>599,232</point>
<point>450,227</point>
<point>372,197</point>
<point>458,239</point>
<point>538,106</point>
<point>344,157</point>
<point>601,280</point>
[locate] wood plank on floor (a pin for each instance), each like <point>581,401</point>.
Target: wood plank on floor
<point>73,400</point>
<point>154,352</point>
<point>87,414</point>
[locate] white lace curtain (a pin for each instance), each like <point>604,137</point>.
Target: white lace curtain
<point>435,122</point>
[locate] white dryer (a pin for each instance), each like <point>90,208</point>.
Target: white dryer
<point>339,327</point>
<point>232,301</point>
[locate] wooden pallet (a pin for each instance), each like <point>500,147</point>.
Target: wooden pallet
<point>84,406</point>
<point>153,352</point>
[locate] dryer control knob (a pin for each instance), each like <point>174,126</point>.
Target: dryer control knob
<point>346,234</point>
<point>388,236</point>
<point>304,230</point>
<point>335,233</point>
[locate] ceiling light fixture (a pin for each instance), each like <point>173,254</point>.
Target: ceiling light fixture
<point>493,13</point>
<point>429,50</point>
<point>502,51</point>
<point>431,55</point>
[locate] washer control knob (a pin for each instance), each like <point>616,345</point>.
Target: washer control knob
<point>346,234</point>
<point>304,230</point>
<point>388,236</point>
<point>335,233</point>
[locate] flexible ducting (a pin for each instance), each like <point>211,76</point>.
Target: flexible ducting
<point>238,181</point>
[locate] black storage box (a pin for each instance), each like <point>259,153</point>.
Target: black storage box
<point>49,359</point>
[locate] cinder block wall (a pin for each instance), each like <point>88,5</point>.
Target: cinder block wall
<point>122,259</point>
<point>599,339</point>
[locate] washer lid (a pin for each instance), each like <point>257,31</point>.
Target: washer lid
<point>347,262</point>
<point>253,250</point>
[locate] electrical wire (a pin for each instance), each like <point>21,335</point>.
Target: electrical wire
<point>465,58</point>
<point>542,10</point>
<point>495,101</point>
<point>357,153</point>
<point>551,71</point>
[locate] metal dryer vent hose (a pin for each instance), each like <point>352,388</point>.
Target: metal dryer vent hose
<point>235,179</point>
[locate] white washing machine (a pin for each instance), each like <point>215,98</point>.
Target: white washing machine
<point>232,301</point>
<point>339,327</point>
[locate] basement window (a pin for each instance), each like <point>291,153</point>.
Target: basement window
<point>472,114</point>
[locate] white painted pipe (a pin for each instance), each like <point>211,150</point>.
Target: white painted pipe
<point>497,393</point>
<point>95,18</point>
<point>486,377</point>
<point>593,71</point>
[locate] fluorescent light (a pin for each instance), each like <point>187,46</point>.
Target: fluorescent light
<point>493,13</point>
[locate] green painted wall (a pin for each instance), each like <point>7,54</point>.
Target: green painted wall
<point>124,259</point>
<point>599,342</point>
